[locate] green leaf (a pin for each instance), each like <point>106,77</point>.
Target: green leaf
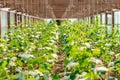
<point>96,51</point>
<point>4,63</point>
<point>31,79</point>
<point>55,77</point>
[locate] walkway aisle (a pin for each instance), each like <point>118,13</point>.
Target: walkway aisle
<point>59,67</point>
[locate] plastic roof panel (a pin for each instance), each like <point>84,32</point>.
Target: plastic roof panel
<point>61,8</point>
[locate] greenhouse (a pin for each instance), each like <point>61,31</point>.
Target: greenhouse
<point>59,39</point>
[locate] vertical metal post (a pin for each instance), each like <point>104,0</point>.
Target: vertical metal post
<point>28,19</point>
<point>16,19</point>
<point>8,19</point>
<point>106,19</point>
<point>33,19</point>
<point>0,24</point>
<point>20,19</point>
<point>25,19</point>
<point>106,23</point>
<point>113,21</point>
<point>91,19</point>
<point>100,18</point>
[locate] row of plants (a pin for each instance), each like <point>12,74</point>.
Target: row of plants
<point>90,53</point>
<point>28,53</point>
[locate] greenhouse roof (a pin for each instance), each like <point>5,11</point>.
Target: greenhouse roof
<point>61,8</point>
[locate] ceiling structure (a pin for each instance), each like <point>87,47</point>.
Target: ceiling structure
<point>61,8</point>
